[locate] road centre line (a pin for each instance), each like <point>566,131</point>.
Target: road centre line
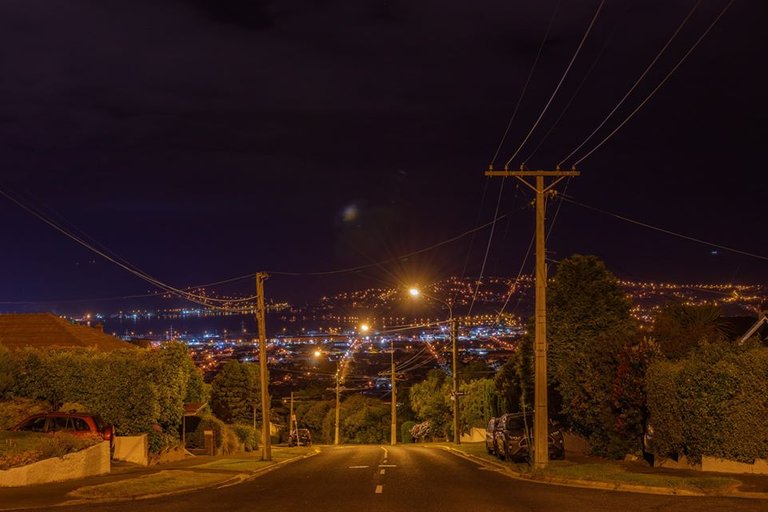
<point>382,471</point>
<point>379,489</point>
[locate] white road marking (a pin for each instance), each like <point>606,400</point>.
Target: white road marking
<point>387,465</point>
<point>382,471</point>
<point>357,467</point>
<point>379,489</point>
<point>386,452</point>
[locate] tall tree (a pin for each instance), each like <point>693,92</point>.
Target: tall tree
<point>588,325</point>
<point>235,392</point>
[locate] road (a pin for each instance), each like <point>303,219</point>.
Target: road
<point>409,478</point>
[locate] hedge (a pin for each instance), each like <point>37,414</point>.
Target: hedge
<point>711,403</point>
<point>138,391</point>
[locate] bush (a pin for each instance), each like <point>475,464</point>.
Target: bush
<point>45,447</point>
<point>405,431</point>
<point>247,435</point>
<point>161,442</point>
<point>133,389</point>
<point>712,403</point>
<point>224,436</point>
<point>15,410</point>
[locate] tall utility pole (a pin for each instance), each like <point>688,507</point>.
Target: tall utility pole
<point>455,378</point>
<point>541,419</point>
<point>266,443</point>
<point>338,403</point>
<point>393,437</point>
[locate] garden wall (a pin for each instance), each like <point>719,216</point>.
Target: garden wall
<point>89,462</point>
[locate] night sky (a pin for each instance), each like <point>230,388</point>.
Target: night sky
<point>205,139</point>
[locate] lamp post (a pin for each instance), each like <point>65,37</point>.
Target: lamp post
<point>452,321</point>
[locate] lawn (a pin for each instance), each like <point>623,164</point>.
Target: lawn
<point>155,483</point>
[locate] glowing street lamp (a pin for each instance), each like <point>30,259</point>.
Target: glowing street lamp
<point>415,292</point>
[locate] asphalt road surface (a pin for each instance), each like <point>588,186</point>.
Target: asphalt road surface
<point>409,478</point>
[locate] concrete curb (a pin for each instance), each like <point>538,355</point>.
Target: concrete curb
<point>606,486</point>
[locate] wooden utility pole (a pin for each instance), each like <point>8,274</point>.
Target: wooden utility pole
<point>455,378</point>
<point>393,437</point>
<point>336,437</point>
<point>541,416</point>
<point>266,441</point>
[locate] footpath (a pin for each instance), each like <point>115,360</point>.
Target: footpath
<point>578,470</point>
<point>131,481</point>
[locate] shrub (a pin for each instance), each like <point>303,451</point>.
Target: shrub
<point>133,389</point>
<point>711,403</point>
<point>15,410</point>
<point>247,436</point>
<point>405,431</point>
<point>224,436</point>
<point>60,444</point>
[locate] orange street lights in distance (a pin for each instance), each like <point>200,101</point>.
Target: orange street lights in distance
<point>415,292</point>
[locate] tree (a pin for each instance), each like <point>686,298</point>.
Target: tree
<point>588,324</point>
<point>430,401</point>
<point>235,392</point>
<point>629,395</point>
<point>361,420</point>
<point>479,403</point>
<point>679,328</point>
<point>311,415</point>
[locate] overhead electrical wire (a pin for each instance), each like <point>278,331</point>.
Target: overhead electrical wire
<point>117,261</point>
<point>525,85</point>
<point>559,84</point>
<point>666,231</point>
<point>637,82</point>
<point>655,89</point>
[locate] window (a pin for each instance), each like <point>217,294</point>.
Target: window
<point>34,425</point>
<point>80,424</point>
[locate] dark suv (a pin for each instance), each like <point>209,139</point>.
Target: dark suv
<point>516,432</point>
<point>300,437</point>
<point>76,423</point>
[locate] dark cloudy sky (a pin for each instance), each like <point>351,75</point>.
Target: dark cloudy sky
<point>206,139</point>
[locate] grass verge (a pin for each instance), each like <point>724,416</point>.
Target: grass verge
<point>611,472</point>
<point>253,462</point>
<point>615,473</point>
<point>154,483</point>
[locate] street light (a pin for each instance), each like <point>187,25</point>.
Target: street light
<point>415,292</point>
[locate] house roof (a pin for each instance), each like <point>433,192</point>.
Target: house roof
<point>40,330</point>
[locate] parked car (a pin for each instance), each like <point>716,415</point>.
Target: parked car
<point>76,423</point>
<point>490,436</point>
<point>516,434</point>
<point>300,437</point>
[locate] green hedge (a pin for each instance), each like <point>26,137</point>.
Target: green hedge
<point>138,391</point>
<point>714,402</point>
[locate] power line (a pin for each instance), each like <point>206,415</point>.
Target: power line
<point>666,231</point>
<point>525,86</point>
<point>653,92</point>
<point>117,261</point>
<point>637,82</point>
<point>559,84</point>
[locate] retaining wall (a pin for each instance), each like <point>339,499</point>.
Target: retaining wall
<point>89,462</point>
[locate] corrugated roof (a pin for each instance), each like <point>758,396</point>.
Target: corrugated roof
<point>39,330</point>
